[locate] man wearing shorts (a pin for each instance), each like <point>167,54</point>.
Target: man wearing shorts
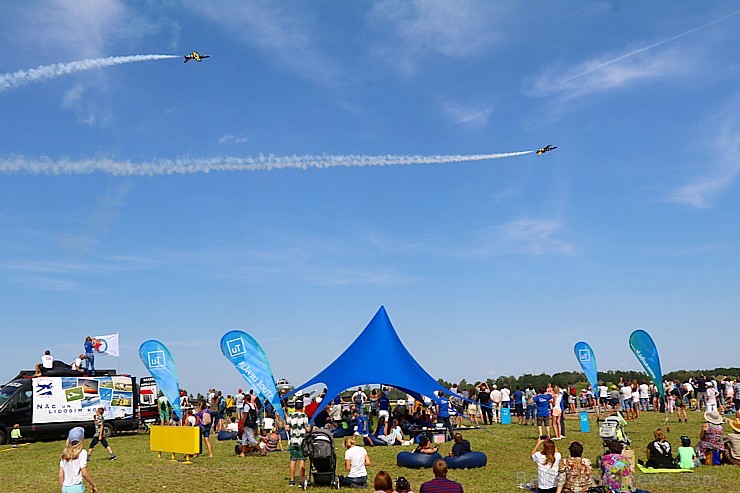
<point>542,401</point>
<point>626,392</point>
<point>518,397</point>
<point>297,427</point>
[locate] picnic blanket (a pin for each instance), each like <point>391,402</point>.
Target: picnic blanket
<point>651,470</point>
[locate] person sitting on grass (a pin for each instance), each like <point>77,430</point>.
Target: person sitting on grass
<point>710,436</point>
<point>732,444</point>
<point>425,446</point>
<point>548,464</point>
<point>659,455</point>
<point>355,462</point>
<point>403,485</point>
<point>617,477</point>
<point>686,454</point>
<point>383,483</point>
<point>440,483</point>
<point>575,471</point>
<point>274,441</point>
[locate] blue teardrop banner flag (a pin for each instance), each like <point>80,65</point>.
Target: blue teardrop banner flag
<point>158,360</point>
<point>587,359</point>
<point>251,362</point>
<point>647,354</point>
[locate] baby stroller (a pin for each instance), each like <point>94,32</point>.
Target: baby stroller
<point>318,447</point>
<point>612,428</point>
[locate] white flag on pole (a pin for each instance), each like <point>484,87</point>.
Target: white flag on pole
<point>106,345</point>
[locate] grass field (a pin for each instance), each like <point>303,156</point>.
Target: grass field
<point>34,467</point>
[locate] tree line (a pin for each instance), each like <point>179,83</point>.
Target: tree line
<point>565,378</point>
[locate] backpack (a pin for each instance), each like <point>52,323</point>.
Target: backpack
<point>250,420</point>
<point>206,419</point>
<point>358,399</point>
<point>222,404</point>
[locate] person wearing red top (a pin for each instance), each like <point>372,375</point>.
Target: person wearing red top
<point>440,483</point>
<point>311,408</point>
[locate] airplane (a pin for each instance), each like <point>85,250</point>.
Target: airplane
<point>195,56</point>
<point>44,389</point>
<point>545,149</point>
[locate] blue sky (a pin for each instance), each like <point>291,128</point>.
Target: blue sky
<point>486,268</point>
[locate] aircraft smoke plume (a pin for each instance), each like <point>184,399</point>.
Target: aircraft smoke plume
<point>188,166</point>
<point>14,80</point>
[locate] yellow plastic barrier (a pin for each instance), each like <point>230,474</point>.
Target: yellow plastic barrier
<point>176,440</point>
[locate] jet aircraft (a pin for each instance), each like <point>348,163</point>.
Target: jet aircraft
<point>545,149</point>
<point>195,56</point>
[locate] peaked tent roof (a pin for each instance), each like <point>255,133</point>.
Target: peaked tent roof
<point>355,368</point>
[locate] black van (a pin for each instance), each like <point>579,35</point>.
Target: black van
<point>49,406</point>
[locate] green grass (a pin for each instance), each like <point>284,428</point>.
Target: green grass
<point>34,467</point>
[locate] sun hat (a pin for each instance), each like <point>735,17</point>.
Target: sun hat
<point>76,434</point>
<point>713,417</point>
<point>735,424</point>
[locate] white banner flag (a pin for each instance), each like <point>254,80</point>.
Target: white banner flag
<point>106,345</point>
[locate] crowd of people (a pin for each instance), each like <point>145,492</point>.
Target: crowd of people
<point>371,415</point>
<point>574,474</point>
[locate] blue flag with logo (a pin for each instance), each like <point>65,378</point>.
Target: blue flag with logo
<point>587,359</point>
<point>250,360</point>
<point>158,360</point>
<point>647,354</point>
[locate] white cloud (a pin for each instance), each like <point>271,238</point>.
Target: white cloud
<point>723,165</point>
<point>79,28</point>
<point>594,76</point>
<point>474,116</point>
<point>612,71</point>
<point>422,27</point>
<point>87,110</point>
<point>287,37</point>
<point>526,236</point>
<point>235,139</point>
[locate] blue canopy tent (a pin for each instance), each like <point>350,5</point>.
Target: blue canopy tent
<point>354,368</point>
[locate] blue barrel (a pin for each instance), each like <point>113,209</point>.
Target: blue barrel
<point>505,416</point>
<point>585,427</point>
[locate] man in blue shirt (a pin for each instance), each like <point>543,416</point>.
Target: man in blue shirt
<point>518,397</point>
<point>443,413</point>
<point>542,401</point>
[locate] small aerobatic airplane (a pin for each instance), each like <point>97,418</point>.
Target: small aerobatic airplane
<point>195,56</point>
<point>545,149</point>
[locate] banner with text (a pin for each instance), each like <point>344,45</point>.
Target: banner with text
<point>647,354</point>
<point>158,360</point>
<point>250,360</point>
<point>65,399</point>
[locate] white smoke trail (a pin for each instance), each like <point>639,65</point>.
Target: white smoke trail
<point>22,77</point>
<point>189,166</point>
<point>646,48</point>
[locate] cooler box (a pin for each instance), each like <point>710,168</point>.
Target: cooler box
<point>439,437</point>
